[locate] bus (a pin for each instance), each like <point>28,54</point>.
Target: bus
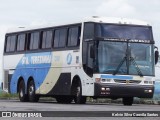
<point>98,57</point>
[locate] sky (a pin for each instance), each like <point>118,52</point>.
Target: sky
<point>26,13</point>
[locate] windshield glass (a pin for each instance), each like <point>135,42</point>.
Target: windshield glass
<point>124,31</point>
<point>111,54</point>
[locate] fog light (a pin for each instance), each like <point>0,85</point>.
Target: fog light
<point>103,89</point>
<point>107,89</point>
<point>150,91</point>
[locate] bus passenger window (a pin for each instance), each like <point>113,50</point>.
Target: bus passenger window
<point>34,41</point>
<point>21,42</point>
<point>10,43</point>
<point>73,37</point>
<point>47,39</point>
<point>60,38</point>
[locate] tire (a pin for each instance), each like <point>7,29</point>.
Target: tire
<point>64,99</point>
<point>128,101</point>
<point>21,92</point>
<point>78,98</point>
<point>31,92</point>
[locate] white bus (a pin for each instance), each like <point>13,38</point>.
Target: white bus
<point>99,57</point>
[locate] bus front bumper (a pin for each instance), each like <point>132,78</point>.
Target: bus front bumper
<point>123,90</point>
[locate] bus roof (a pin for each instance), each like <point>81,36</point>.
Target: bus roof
<point>95,19</point>
<point>115,20</point>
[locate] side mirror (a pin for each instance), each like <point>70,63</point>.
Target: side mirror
<point>92,52</point>
<point>156,56</point>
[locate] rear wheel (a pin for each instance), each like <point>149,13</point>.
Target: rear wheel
<point>78,98</point>
<point>31,92</point>
<point>21,92</point>
<point>128,101</point>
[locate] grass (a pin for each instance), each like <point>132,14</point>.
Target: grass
<point>4,95</point>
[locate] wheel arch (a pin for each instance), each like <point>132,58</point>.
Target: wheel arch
<point>75,81</point>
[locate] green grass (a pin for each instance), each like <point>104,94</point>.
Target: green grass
<point>4,95</point>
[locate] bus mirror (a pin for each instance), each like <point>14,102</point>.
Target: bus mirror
<point>156,56</point>
<point>92,53</point>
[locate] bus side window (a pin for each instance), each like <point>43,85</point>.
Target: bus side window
<point>34,39</point>
<point>21,42</point>
<point>73,37</point>
<point>10,43</point>
<point>46,39</point>
<point>88,31</point>
<point>60,38</point>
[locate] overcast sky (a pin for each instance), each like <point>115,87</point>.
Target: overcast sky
<point>23,13</point>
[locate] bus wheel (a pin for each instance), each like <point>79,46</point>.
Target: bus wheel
<point>128,101</point>
<point>21,91</point>
<point>79,99</point>
<point>31,92</point>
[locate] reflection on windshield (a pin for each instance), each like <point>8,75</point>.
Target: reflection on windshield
<point>110,54</point>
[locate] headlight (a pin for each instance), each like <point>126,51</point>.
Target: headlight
<point>148,82</point>
<point>106,80</point>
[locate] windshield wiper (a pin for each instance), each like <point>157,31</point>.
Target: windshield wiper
<point>120,64</point>
<point>128,58</point>
<point>131,59</point>
<point>137,68</point>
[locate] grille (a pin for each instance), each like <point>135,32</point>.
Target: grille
<point>127,81</point>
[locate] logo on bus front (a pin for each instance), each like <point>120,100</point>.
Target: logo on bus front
<point>69,59</point>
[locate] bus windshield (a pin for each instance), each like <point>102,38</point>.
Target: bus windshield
<point>120,49</point>
<point>112,51</point>
<point>111,54</point>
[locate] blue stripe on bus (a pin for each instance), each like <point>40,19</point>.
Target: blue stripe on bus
<point>31,65</point>
<point>116,77</point>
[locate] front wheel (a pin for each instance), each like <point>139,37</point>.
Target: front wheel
<point>78,98</point>
<point>128,101</point>
<point>31,92</point>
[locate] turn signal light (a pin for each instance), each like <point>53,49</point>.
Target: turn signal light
<point>98,80</point>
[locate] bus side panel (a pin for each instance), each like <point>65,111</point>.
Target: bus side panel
<point>58,79</point>
<point>62,86</point>
<point>10,65</point>
<point>37,66</point>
